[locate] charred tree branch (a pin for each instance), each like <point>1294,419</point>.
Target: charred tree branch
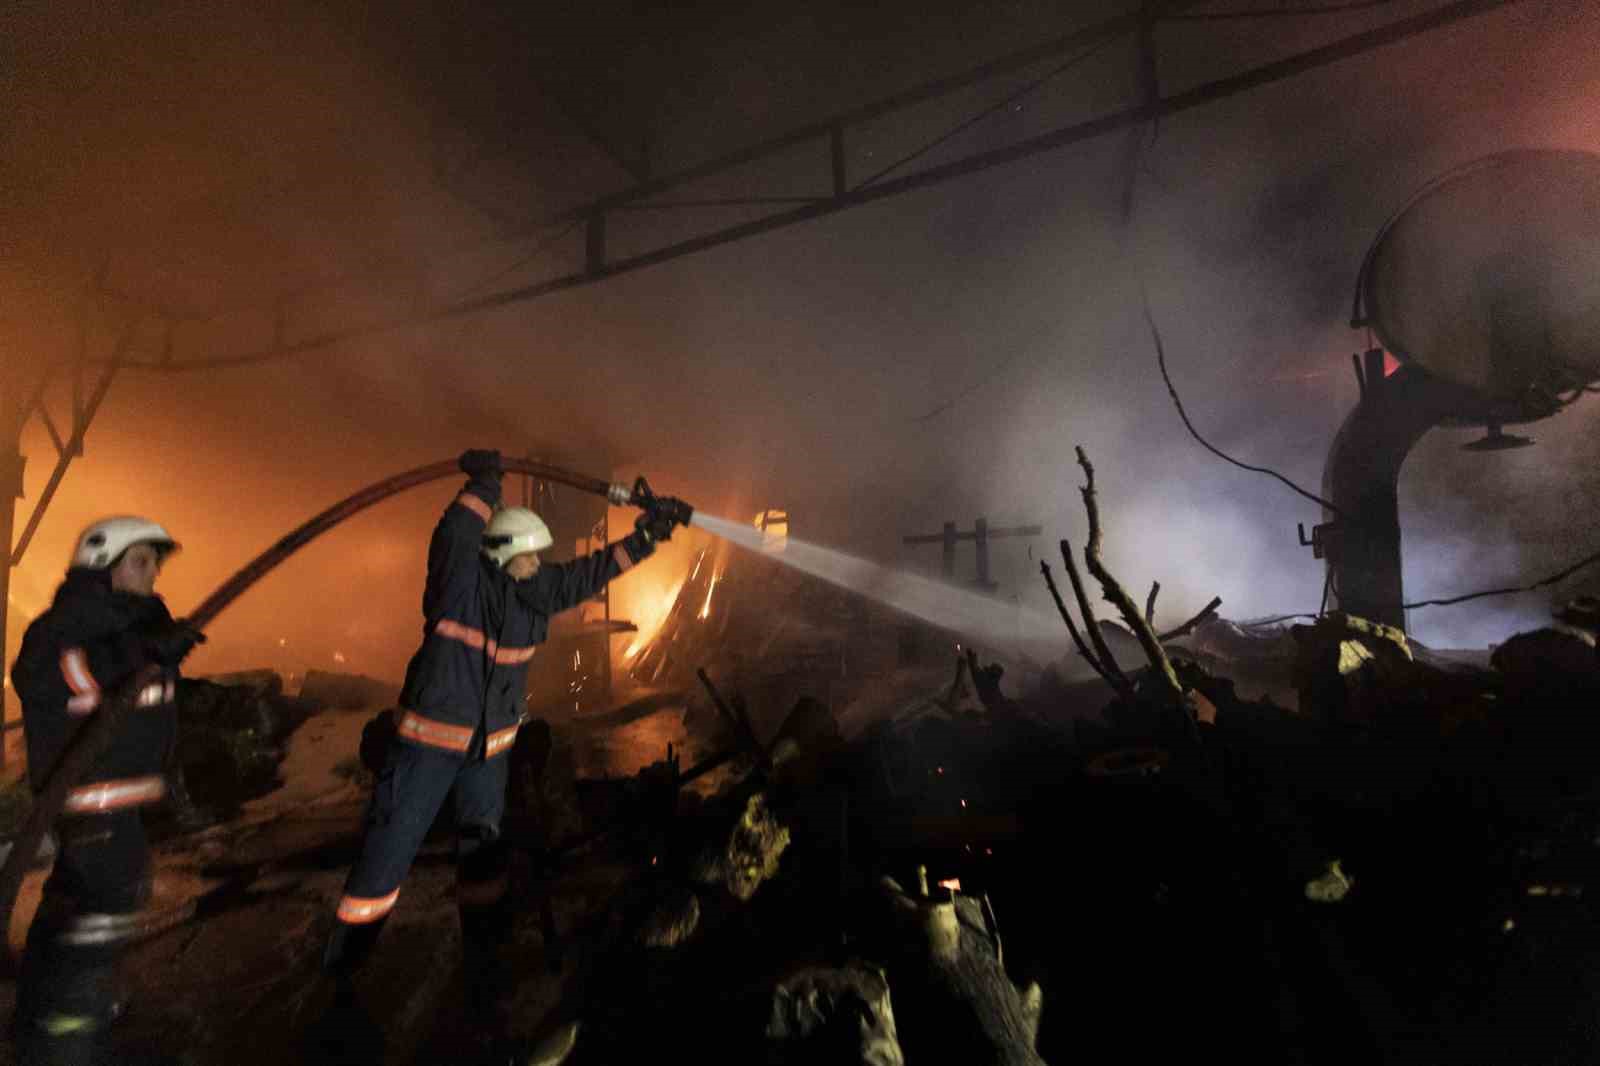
<point>1204,616</point>
<point>1072,627</point>
<point>1117,596</point>
<point>1118,679</point>
<point>1150,603</point>
<point>953,695</point>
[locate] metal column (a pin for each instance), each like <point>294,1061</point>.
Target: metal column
<point>11,467</point>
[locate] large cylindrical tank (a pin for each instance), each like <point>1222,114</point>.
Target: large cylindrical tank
<point>1489,278</point>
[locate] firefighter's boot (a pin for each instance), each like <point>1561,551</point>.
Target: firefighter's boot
<point>486,978</point>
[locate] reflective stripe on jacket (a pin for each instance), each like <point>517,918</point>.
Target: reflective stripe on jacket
<point>481,628</point>
<point>73,657</point>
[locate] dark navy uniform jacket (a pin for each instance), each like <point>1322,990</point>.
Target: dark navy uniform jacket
<point>463,688</point>
<point>75,656</point>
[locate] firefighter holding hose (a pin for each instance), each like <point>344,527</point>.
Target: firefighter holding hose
<point>105,625</point>
<point>486,607</point>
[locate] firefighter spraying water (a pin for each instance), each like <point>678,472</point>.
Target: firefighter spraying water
<point>96,676</point>
<point>487,604</point>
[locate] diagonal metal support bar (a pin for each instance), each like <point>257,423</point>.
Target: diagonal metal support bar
<point>72,449</point>
<point>55,434</point>
<point>36,397</point>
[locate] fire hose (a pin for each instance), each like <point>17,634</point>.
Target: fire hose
<point>92,739</point>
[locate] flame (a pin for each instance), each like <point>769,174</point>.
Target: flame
<point>650,618</point>
<point>952,883</point>
<point>338,657</point>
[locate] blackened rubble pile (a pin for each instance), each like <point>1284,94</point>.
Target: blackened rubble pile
<point>233,736</point>
<point>1397,870</point>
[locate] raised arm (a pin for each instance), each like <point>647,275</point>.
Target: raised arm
<point>558,586</point>
<point>453,551</point>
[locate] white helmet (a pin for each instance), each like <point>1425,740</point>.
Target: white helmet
<point>512,531</point>
<point>103,543</point>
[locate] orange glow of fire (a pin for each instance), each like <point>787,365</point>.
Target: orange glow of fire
<point>648,616</point>
<point>29,606</point>
<point>774,526</point>
<point>705,610</point>
<point>952,883</point>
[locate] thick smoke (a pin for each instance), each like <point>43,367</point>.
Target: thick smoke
<point>931,358</point>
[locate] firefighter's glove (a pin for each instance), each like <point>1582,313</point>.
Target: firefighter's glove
<point>655,526</point>
<point>480,462</point>
<point>169,643</point>
<point>662,514</point>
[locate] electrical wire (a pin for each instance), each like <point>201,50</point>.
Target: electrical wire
<point>1558,576</point>
<point>534,253</point>
<point>962,127</point>
<point>1161,361</point>
<point>971,390</point>
<point>1449,601</point>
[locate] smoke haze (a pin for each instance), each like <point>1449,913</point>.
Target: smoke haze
<point>933,357</point>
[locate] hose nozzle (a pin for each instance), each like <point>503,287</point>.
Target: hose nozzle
<point>670,507</point>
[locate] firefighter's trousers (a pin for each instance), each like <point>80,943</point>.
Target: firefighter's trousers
<point>67,990</point>
<point>406,798</point>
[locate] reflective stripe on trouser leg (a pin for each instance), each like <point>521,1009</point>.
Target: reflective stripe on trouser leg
<point>99,882</point>
<point>406,797</point>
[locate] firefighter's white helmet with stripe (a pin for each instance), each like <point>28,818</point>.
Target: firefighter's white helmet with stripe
<point>103,543</point>
<point>512,531</point>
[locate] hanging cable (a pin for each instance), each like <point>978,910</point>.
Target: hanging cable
<point>1558,576</point>
<point>1450,601</point>
<point>1161,361</point>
